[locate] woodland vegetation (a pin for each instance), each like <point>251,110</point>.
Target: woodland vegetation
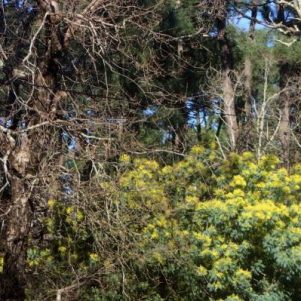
<point>150,150</point>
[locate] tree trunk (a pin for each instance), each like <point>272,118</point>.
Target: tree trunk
<point>228,88</point>
<point>19,149</point>
<point>248,65</point>
<point>284,130</point>
<point>229,109</point>
<point>13,278</point>
<point>248,88</point>
<point>247,122</point>
<point>284,123</point>
<point>18,220</point>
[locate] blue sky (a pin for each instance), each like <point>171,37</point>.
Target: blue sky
<point>244,23</point>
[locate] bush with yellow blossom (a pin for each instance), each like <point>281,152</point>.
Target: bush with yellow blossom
<point>215,229</point>
<point>203,228</point>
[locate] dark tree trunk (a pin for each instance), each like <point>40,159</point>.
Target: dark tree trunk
<point>19,150</point>
<point>13,278</point>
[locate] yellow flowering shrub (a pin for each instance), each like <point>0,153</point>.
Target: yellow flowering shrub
<point>69,241</point>
<point>219,229</point>
<point>202,228</point>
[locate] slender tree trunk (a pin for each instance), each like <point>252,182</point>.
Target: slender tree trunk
<point>284,99</point>
<point>247,122</point>
<point>248,88</point>
<point>284,130</point>
<point>248,65</point>
<point>284,126</point>
<point>228,87</point>
<point>229,109</point>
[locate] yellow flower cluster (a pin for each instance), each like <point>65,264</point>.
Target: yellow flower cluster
<point>94,257</point>
<point>1,264</point>
<point>125,159</point>
<point>238,181</point>
<point>216,218</point>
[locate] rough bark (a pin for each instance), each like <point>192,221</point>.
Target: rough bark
<point>19,148</point>
<point>229,108</point>
<point>228,87</point>
<point>13,278</point>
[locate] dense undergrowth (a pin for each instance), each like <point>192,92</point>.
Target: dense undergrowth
<point>204,228</point>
